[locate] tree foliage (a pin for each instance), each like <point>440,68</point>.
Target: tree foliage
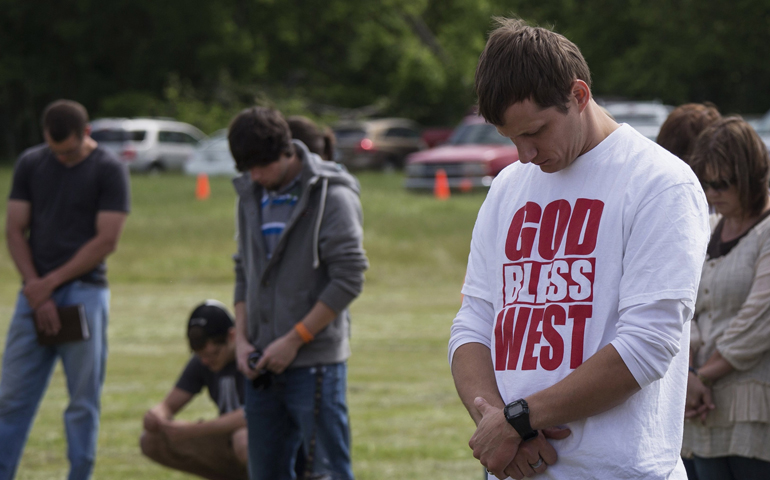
<point>202,61</point>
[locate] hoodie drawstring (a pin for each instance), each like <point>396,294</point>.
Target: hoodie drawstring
<point>316,233</point>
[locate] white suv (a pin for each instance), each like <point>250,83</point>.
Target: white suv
<point>147,144</point>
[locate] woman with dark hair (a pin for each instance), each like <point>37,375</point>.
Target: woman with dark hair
<point>728,391</point>
<point>677,135</point>
<point>317,140</point>
<point>683,125</point>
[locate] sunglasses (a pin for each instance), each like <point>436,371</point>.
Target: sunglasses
<point>717,185</point>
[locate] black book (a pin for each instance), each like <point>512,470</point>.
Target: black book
<point>73,326</point>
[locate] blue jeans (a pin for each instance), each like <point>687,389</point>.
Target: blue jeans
<point>27,369</point>
<point>282,417</point>
<point>731,468</point>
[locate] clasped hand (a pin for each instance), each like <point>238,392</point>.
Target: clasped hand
<point>499,447</point>
<point>699,402</point>
<point>174,430</point>
<point>276,357</point>
<point>279,354</point>
<point>37,291</point>
<point>47,318</point>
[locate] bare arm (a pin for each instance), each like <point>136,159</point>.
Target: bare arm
<point>109,226</point>
<point>715,368</point>
<point>161,418</point>
<point>474,377</point>
<point>175,400</point>
<point>16,227</point>
<point>224,424</point>
<point>599,384</point>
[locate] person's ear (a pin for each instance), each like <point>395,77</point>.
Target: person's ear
<point>582,94</point>
<point>231,335</point>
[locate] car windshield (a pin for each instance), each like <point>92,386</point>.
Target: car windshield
<point>118,135</point>
<point>480,133</point>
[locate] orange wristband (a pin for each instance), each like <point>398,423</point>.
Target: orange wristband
<point>307,337</point>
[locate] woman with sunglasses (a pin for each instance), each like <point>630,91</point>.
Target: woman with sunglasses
<point>728,391</point>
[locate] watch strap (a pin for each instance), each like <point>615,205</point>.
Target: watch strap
<point>520,421</point>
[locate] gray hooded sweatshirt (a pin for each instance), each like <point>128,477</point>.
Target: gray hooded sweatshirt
<point>319,257</point>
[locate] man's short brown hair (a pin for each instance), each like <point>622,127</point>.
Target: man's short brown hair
<point>521,62</point>
<point>683,125</point>
<point>258,136</point>
<point>730,150</point>
<point>62,118</point>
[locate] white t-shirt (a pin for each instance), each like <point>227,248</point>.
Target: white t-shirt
<point>607,250</point>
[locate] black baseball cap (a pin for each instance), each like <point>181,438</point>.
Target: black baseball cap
<point>212,316</point>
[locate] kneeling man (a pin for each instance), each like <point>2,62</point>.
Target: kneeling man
<point>214,449</point>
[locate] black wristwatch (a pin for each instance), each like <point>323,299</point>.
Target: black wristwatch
<point>517,414</point>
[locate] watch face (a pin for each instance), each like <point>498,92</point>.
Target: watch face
<point>515,409</point>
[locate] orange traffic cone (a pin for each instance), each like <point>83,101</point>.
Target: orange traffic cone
<point>441,186</point>
<point>202,187</point>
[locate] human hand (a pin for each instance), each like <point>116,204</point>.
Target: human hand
<point>152,422</point>
<point>47,318</point>
<point>242,351</point>
<point>495,441</point>
<point>534,451</point>
<point>698,402</point>
<point>715,367</point>
<point>37,291</point>
<point>176,430</point>
<point>279,354</point>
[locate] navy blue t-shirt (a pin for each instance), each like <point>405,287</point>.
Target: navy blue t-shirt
<point>64,202</point>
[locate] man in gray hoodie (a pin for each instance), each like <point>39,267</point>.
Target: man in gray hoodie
<point>300,263</point>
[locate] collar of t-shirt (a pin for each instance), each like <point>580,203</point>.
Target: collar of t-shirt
<point>277,206</point>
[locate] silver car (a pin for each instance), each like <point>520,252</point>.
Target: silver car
<point>762,126</point>
<point>645,117</point>
<point>212,157</point>
<point>148,144</point>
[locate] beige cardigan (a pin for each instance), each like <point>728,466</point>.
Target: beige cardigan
<point>732,315</point>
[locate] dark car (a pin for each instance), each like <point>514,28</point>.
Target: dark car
<point>376,144</point>
<point>474,154</point>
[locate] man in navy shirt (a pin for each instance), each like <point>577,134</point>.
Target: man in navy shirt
<point>68,204</point>
<point>217,448</point>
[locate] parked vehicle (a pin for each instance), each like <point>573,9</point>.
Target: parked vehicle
<point>645,117</point>
<point>473,156</point>
<point>762,126</point>
<point>376,144</point>
<point>147,144</point>
<point>435,136</point>
<point>212,157</point>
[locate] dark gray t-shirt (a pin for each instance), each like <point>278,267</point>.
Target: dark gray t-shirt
<point>225,386</point>
<point>65,201</point>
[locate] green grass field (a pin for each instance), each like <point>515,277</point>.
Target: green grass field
<point>407,421</point>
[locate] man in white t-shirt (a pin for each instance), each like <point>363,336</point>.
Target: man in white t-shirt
<point>572,339</point>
